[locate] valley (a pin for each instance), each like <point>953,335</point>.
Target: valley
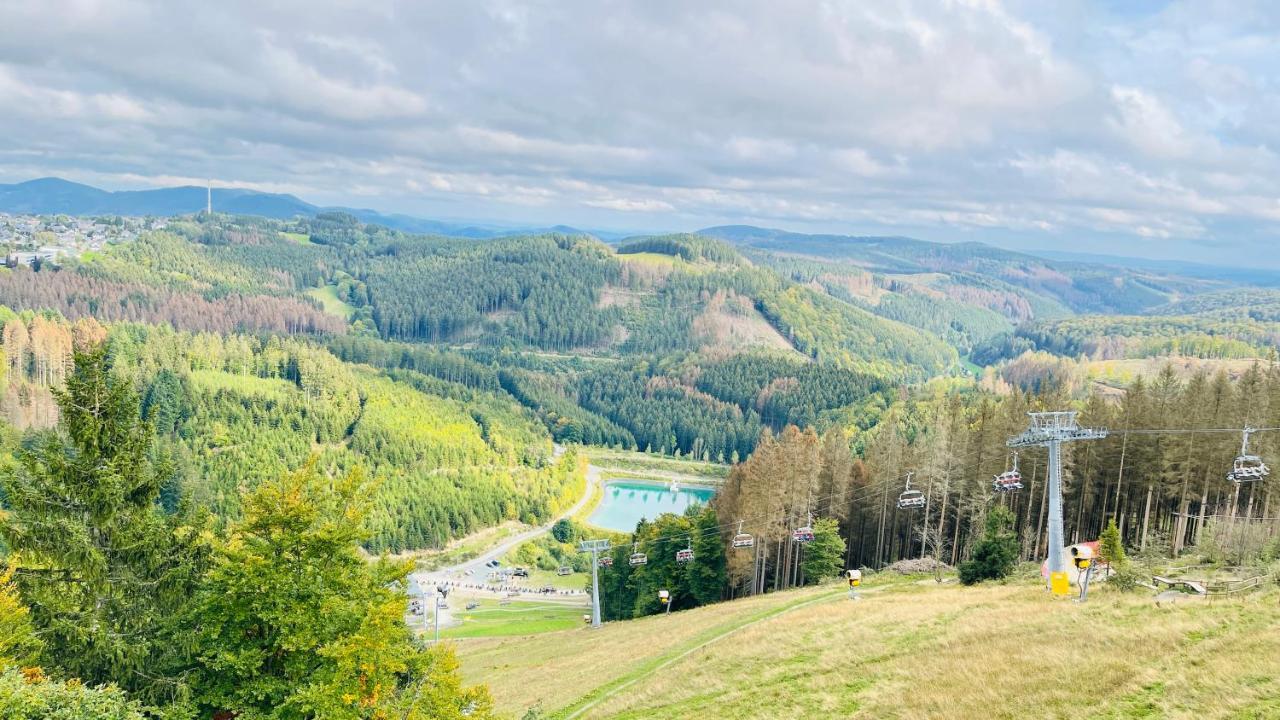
<point>740,413</point>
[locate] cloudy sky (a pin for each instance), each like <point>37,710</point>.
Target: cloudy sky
<point>1132,127</point>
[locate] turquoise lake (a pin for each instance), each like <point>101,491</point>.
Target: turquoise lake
<point>626,501</point>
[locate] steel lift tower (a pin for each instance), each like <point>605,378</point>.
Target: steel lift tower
<point>595,547</point>
<point>1051,429</point>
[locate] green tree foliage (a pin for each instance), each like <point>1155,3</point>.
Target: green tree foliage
<point>632,591</point>
<point>996,552</point>
<point>540,291</point>
<point>708,575</point>
<point>563,531</point>
<point>692,248</point>
<point>832,331</point>
<point>666,415</point>
<point>297,624</point>
<point>824,557</point>
<point>19,644</point>
<point>784,390</point>
<point>104,569</point>
<point>30,696</point>
<point>1111,547</point>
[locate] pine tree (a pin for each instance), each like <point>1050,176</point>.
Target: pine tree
<point>1111,548</point>
<point>824,557</point>
<point>995,553</point>
<point>104,571</point>
<point>707,574</point>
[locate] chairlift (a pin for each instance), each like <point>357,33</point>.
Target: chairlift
<point>637,557</point>
<point>685,555</point>
<point>1009,480</point>
<point>804,534</point>
<point>606,561</point>
<point>1247,467</point>
<point>742,540</point>
<point>910,499</point>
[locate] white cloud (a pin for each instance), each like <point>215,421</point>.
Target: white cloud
<point>965,117</point>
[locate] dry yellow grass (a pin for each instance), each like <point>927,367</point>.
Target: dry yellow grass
<point>908,651</point>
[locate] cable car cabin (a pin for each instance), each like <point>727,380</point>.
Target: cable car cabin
<point>1007,481</point>
<point>910,500</point>
<point>743,540</point>
<point>564,570</point>
<point>638,558</point>
<point>606,561</point>
<point>684,556</point>
<point>803,535</point>
<point>1248,468</point>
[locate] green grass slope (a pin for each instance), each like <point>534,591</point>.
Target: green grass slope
<point>906,650</point>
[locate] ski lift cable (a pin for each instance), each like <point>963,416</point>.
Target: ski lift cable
<point>870,490</point>
<point>867,491</point>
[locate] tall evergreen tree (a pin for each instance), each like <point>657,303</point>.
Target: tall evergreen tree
<point>104,571</point>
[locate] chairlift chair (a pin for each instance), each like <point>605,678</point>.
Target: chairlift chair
<point>606,561</point>
<point>637,557</point>
<point>685,555</point>
<point>804,534</point>
<point>910,499</point>
<point>1247,467</point>
<point>743,540</point>
<point>1009,480</point>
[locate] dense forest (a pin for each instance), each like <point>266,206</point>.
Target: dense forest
<point>113,605</point>
<point>237,410</point>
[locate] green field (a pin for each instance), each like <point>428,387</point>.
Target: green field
<point>491,619</point>
<point>331,302</point>
<point>639,464</point>
<point>300,238</point>
<point>908,649</point>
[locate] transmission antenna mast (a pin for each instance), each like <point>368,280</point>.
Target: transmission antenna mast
<point>208,198</point>
<point>1051,429</point>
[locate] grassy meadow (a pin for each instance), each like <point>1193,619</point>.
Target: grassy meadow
<point>491,619</point>
<point>908,649</point>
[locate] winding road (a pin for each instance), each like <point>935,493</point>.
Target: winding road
<point>477,565</point>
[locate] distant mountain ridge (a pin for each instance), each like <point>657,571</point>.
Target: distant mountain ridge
<point>56,196</point>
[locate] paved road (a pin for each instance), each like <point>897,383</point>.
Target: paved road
<point>427,579</point>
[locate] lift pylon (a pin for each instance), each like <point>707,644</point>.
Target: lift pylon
<point>1051,429</point>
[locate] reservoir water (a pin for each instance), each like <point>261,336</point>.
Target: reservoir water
<point>626,501</point>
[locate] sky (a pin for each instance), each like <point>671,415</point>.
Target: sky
<point>1131,128</point>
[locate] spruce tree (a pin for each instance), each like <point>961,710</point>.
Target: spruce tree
<point>104,571</point>
<point>995,553</point>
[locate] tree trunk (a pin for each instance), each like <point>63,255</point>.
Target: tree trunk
<point>1146,516</point>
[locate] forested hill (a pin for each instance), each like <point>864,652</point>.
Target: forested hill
<point>1080,286</point>
<point>635,345</point>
